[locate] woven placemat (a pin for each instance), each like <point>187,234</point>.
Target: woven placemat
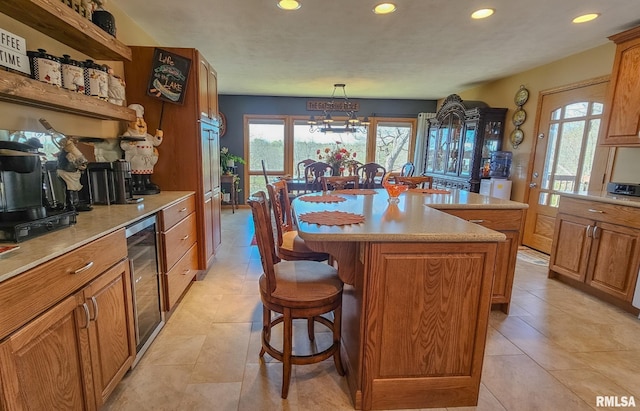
<point>356,191</point>
<point>429,191</point>
<point>327,198</point>
<point>331,218</point>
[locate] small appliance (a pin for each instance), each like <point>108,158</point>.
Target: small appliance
<point>627,189</point>
<point>111,183</point>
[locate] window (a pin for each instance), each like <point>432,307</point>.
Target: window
<point>283,141</point>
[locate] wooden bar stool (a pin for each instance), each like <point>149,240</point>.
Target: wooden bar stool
<point>295,290</point>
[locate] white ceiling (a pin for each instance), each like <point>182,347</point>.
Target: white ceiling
<point>425,50</point>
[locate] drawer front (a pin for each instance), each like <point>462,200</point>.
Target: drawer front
<point>25,296</point>
<point>178,240</point>
<point>179,277</point>
<point>496,219</point>
<point>597,211</point>
<point>177,212</point>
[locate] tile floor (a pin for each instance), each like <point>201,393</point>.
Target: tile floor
<point>557,350</point>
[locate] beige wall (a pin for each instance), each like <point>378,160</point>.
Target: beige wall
<point>19,117</point>
<point>593,63</point>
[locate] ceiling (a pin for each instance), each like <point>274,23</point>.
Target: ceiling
<point>427,49</point>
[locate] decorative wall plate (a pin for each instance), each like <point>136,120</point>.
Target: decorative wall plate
<point>519,116</point>
<point>516,137</point>
<point>522,95</point>
<point>223,123</point>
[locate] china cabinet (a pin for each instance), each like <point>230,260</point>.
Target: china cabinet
<point>622,108</point>
<point>460,140</point>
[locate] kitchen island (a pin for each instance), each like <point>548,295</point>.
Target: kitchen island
<point>417,295</point>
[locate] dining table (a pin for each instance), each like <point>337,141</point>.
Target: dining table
<point>417,292</point>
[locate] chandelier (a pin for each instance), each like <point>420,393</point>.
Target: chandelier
<point>325,123</point>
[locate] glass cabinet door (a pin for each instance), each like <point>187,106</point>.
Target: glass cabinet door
<point>468,146</point>
<point>455,127</point>
<point>442,148</point>
<point>431,148</point>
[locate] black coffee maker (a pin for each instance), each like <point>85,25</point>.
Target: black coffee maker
<point>21,177</point>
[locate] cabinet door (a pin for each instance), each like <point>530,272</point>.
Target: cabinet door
<point>571,242</point>
<point>217,229</point>
<point>48,363</point>
<point>208,228</point>
<point>468,149</point>
<point>207,180</point>
<point>431,149</point>
<point>624,96</point>
<point>614,259</point>
<point>506,256</point>
<point>112,335</point>
<point>203,90</point>
<point>212,93</point>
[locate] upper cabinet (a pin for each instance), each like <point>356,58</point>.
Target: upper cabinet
<point>208,90</point>
<point>622,111</point>
<point>58,21</point>
<point>460,139</point>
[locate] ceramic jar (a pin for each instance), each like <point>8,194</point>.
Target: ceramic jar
<point>45,67</point>
<point>72,74</point>
<point>96,80</point>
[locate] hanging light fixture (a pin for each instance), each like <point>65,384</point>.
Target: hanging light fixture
<point>324,123</point>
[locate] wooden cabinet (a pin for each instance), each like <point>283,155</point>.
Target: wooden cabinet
<point>179,260</point>
<point>597,244</point>
<point>60,22</point>
<point>622,109</point>
<point>189,155</point>
<point>460,139</point>
<point>510,223</point>
<point>75,341</point>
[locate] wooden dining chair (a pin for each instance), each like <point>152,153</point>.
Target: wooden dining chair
<point>368,173</point>
<point>294,290</point>
<point>339,182</point>
<point>290,246</point>
<point>407,169</point>
<point>302,165</point>
<point>312,174</point>
<point>415,182</point>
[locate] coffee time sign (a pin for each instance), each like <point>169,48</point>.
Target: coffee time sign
<point>13,52</point>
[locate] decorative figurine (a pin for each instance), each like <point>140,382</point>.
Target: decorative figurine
<point>71,164</point>
<point>142,155</point>
<point>116,90</point>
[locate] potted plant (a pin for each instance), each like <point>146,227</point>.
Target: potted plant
<point>228,160</point>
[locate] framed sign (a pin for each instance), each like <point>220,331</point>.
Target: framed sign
<point>169,75</point>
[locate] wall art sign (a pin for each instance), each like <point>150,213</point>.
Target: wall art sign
<point>169,75</point>
<point>13,52</point>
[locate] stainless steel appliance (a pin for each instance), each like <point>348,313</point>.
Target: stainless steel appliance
<point>142,246</point>
<point>628,189</point>
<point>110,183</point>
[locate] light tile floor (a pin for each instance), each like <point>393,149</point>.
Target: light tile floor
<point>557,350</point>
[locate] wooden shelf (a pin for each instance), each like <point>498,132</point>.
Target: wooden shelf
<point>58,21</point>
<point>19,89</point>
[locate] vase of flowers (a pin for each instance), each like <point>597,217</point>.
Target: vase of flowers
<point>338,158</point>
<point>228,160</point>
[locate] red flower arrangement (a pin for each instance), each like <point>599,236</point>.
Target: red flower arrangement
<point>339,158</point>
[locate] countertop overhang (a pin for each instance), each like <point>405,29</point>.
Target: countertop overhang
<point>90,226</point>
<point>416,218</point>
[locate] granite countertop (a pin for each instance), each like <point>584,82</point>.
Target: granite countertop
<point>604,197</point>
<point>90,225</point>
<point>416,218</point>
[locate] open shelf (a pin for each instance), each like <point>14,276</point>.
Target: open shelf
<point>58,21</point>
<point>15,88</point>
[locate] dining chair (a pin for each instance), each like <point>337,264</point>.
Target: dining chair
<point>339,182</point>
<point>294,290</point>
<point>368,173</point>
<point>415,182</point>
<point>312,174</point>
<point>290,246</point>
<point>301,166</point>
<point>264,172</point>
<point>407,169</point>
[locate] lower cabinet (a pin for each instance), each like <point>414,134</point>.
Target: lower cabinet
<point>179,259</point>
<point>509,222</point>
<point>598,245</point>
<point>72,356</point>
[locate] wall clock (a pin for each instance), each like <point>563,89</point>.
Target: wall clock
<point>223,123</point>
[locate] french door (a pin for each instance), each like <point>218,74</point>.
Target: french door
<point>566,156</point>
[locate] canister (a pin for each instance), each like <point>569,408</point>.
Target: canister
<point>72,74</point>
<point>45,67</point>
<point>96,80</point>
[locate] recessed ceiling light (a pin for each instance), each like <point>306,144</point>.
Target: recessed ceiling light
<point>586,17</point>
<point>384,8</point>
<point>482,13</point>
<point>289,4</point>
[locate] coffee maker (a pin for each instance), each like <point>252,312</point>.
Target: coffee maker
<point>22,213</point>
<point>111,183</point>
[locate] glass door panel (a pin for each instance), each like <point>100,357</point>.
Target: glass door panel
<point>467,150</point>
<point>431,150</point>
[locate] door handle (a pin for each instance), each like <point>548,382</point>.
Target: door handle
<point>95,307</point>
<point>589,230</point>
<point>533,185</point>
<point>595,232</point>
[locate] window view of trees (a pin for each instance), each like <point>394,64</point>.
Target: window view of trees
<point>392,144</point>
